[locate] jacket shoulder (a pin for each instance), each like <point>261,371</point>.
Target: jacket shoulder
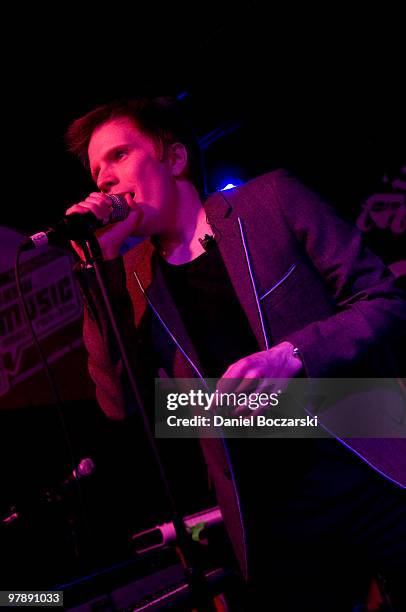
<point>269,179</point>
<point>264,181</point>
<point>257,193</point>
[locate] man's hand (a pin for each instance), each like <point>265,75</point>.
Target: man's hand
<point>111,237</point>
<point>279,362</point>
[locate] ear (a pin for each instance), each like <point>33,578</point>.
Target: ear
<point>178,158</point>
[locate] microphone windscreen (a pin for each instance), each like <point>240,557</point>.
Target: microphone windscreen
<point>121,210</point>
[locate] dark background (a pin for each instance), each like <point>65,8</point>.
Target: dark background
<point>322,94</point>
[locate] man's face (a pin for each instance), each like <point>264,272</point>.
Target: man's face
<point>124,160</point>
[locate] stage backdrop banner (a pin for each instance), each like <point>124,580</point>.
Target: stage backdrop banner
<point>55,308</point>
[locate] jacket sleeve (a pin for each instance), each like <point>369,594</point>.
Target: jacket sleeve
<point>104,361</point>
<point>362,338</point>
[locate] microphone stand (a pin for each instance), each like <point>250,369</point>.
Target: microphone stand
<point>201,597</point>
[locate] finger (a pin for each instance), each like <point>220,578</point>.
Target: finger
<point>238,380</point>
<point>101,198</point>
<point>242,410</point>
<point>103,203</point>
<point>233,391</point>
<point>130,199</point>
<point>251,383</point>
<point>77,208</point>
<point>101,210</point>
<point>259,402</point>
<point>226,385</point>
<point>236,370</point>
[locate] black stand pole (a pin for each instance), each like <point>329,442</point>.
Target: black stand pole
<point>202,600</point>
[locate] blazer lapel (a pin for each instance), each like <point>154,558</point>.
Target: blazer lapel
<point>224,221</point>
<point>145,264</point>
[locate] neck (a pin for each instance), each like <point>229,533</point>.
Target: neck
<point>181,244</point>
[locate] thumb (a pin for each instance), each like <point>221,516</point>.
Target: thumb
<point>130,199</point>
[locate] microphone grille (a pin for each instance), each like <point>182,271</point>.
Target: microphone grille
<point>121,210</point>
<point>86,467</point>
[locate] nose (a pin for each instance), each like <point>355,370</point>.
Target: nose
<point>106,180</point>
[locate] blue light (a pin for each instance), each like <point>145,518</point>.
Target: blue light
<point>228,186</point>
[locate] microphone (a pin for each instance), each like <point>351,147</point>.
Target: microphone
<point>77,226</point>
<point>85,467</point>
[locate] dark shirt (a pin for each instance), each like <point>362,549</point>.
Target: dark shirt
<point>210,310</point>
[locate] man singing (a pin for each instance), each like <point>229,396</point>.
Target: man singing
<point>263,281</point>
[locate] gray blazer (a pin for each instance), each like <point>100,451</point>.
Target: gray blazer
<point>300,273</point>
